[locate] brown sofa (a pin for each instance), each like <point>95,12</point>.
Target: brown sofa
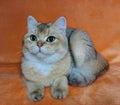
<point>100,18</point>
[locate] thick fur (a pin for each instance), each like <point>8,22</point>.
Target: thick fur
<point>88,63</point>
<point>70,58</point>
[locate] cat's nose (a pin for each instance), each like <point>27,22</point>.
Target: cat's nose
<point>39,44</point>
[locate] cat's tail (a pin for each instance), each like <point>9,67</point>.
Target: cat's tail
<point>101,64</point>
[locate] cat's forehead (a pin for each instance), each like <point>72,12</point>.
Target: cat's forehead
<point>43,30</point>
<point>43,27</point>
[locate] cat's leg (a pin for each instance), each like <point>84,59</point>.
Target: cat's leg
<point>35,90</point>
<point>81,77</point>
<point>59,88</point>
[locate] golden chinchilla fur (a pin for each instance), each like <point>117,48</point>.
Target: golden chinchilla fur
<point>54,55</point>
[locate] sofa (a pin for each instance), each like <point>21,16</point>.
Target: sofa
<point>99,18</point>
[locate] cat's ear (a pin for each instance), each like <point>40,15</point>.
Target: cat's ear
<point>61,24</point>
<point>31,23</point>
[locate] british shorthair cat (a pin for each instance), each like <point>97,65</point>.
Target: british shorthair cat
<point>54,55</point>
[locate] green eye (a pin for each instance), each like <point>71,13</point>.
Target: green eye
<point>33,38</point>
<point>50,39</point>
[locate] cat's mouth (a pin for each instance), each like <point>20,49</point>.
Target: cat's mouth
<point>39,50</point>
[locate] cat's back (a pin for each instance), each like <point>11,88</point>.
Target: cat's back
<point>81,46</point>
<point>79,35</point>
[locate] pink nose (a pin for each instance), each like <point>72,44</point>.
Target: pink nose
<point>39,44</point>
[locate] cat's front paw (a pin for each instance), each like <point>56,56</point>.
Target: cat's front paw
<point>36,95</point>
<point>59,93</point>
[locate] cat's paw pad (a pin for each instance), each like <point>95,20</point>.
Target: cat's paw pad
<point>36,95</point>
<point>59,93</point>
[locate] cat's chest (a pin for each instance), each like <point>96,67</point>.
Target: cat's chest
<point>42,68</point>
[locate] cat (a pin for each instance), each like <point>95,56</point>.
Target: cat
<point>54,55</point>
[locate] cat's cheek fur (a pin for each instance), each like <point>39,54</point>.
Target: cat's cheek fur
<point>34,49</point>
<point>47,50</point>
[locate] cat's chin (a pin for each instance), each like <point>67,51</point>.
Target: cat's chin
<point>48,58</point>
<point>42,55</point>
<point>38,52</point>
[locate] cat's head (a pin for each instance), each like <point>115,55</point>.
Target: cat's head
<point>46,39</point>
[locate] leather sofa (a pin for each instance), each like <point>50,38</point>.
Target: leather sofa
<point>100,18</point>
